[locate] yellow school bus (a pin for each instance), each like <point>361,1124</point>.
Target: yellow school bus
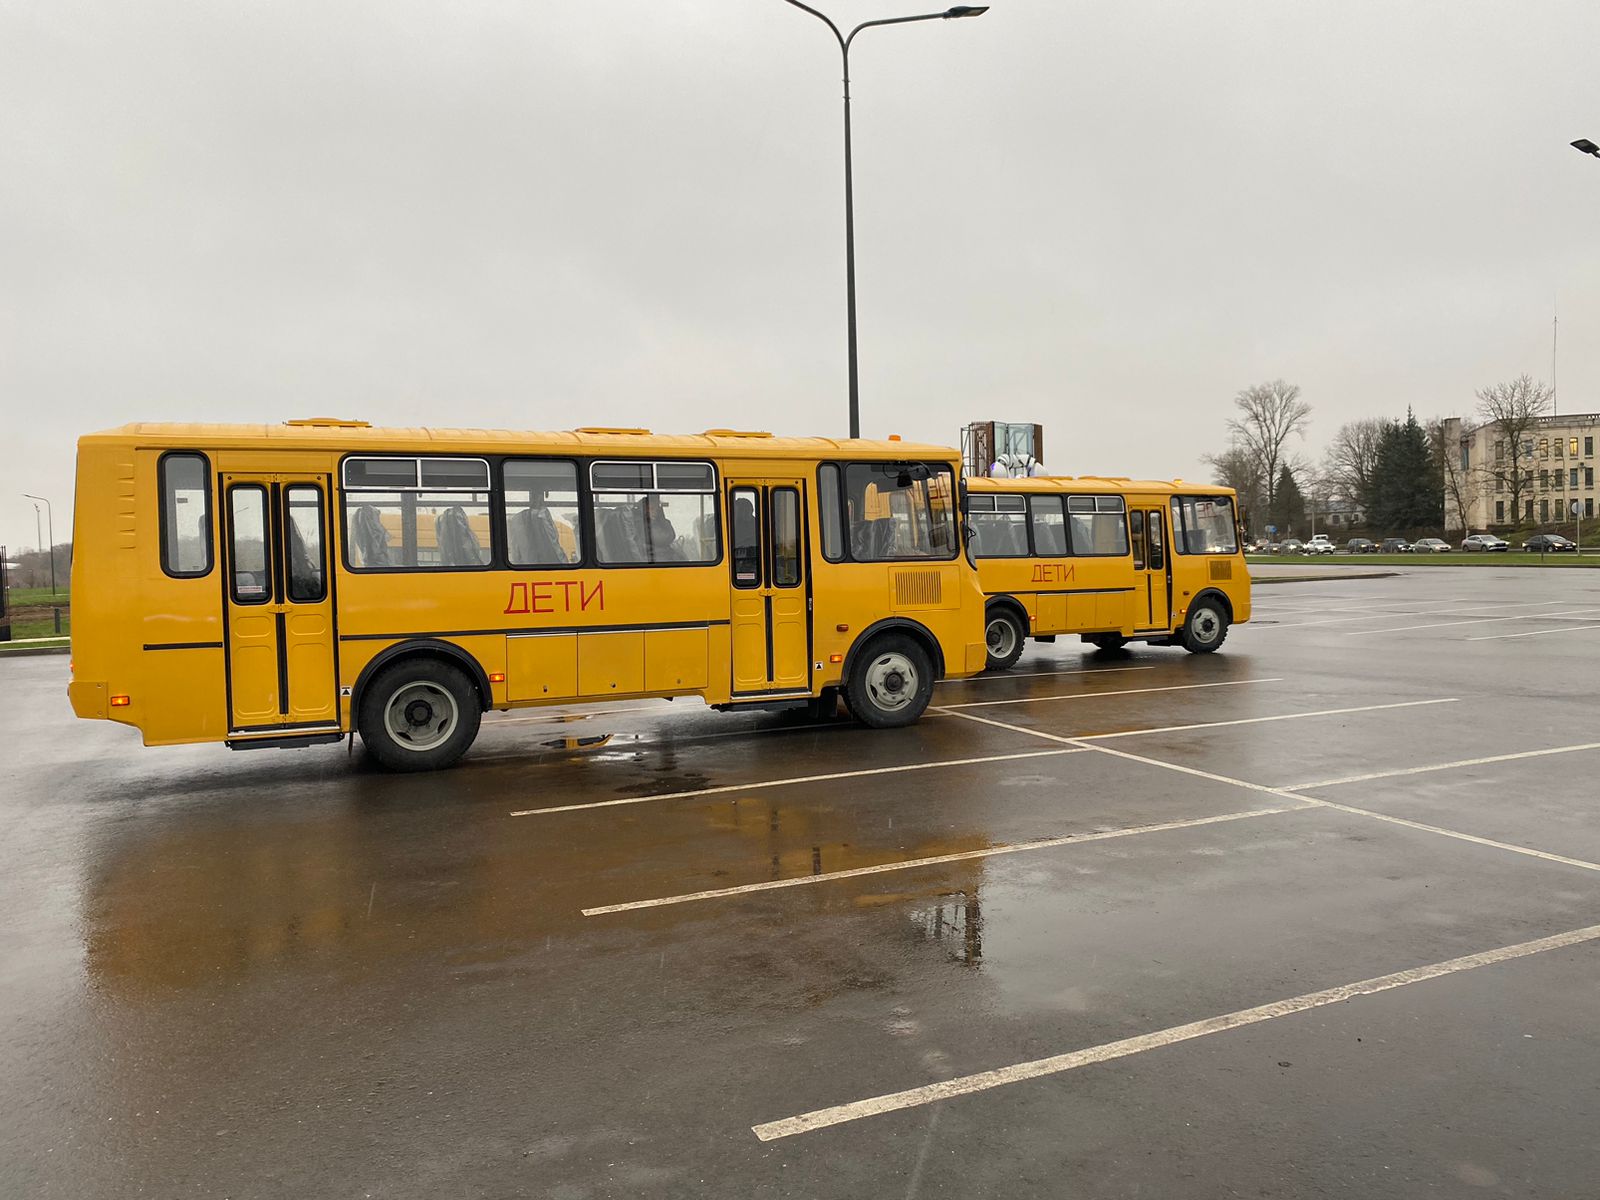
<point>287,585</point>
<point>1112,560</point>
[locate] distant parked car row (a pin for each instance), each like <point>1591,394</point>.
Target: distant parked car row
<point>1321,543</point>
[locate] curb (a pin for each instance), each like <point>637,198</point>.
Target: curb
<point>1259,580</point>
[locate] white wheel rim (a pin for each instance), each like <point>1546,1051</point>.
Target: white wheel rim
<point>1001,637</point>
<point>1206,626</point>
<point>891,681</point>
<point>420,716</point>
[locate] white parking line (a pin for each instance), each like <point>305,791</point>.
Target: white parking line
<point>965,1085</point>
<point>1476,621</point>
<point>1374,614</point>
<point>1445,766</point>
<point>1077,739</point>
<point>772,783</point>
<point>998,675</point>
<point>937,859</point>
<point>1177,687</point>
<point>1539,632</point>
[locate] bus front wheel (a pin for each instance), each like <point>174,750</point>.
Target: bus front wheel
<point>419,715</point>
<point>1205,627</point>
<point>891,683</point>
<point>1004,634</point>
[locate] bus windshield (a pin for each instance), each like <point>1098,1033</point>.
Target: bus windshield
<point>900,510</point>
<point>1205,524</point>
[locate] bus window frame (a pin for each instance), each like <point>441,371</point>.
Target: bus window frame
<point>840,512</point>
<point>591,560</point>
<point>269,550</point>
<point>1024,512</point>
<point>934,466</point>
<point>491,490</point>
<point>501,522</point>
<point>1122,510</point>
<point>163,538</point>
<point>1180,525</point>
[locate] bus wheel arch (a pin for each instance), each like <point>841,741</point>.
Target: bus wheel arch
<point>418,705</point>
<point>1005,631</point>
<point>890,672</point>
<point>1205,626</point>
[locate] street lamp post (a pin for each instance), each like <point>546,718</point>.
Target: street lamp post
<point>844,40</point>
<point>50,512</point>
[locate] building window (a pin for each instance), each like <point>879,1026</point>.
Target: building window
<point>1544,479</point>
<point>1544,511</point>
<point>1588,447</point>
<point>1499,452</point>
<point>1588,477</point>
<point>1588,506</point>
<point>1556,447</point>
<point>1499,512</point>
<point>1466,454</point>
<point>1527,510</point>
<point>1544,447</point>
<point>1573,477</point>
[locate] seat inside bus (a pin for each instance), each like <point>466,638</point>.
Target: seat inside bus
<point>533,537</point>
<point>369,537</point>
<point>874,539</point>
<point>458,545</point>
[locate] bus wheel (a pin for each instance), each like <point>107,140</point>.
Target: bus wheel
<point>1205,627</point>
<point>419,715</point>
<point>1004,634</point>
<point>890,683</point>
<point>1106,641</point>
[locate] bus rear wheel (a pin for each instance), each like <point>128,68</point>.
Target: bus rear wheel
<point>1205,627</point>
<point>1004,635</point>
<point>419,715</point>
<point>891,683</point>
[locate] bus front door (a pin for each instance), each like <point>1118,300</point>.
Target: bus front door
<point>771,605</point>
<point>1152,606</point>
<point>278,600</point>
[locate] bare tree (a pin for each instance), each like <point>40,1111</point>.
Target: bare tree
<point>1352,459</point>
<point>1269,414</point>
<point>1235,468</point>
<point>1513,409</point>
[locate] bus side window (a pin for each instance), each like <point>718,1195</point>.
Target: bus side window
<point>1136,531</point>
<point>185,515</point>
<point>1049,526</point>
<point>745,531</point>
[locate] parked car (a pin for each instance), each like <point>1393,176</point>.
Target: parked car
<point>1291,546</point>
<point>1484,541</point>
<point>1273,548</point>
<point>1550,543</point>
<point>1252,547</point>
<point>1430,546</point>
<point>1396,546</point>
<point>1360,546</point>
<point>1320,543</point>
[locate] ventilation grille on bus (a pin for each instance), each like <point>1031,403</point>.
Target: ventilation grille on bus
<point>1221,570</point>
<point>916,588</point>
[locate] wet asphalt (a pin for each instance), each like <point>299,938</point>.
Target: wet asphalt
<point>280,973</point>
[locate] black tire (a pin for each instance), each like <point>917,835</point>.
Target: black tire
<point>419,715</point>
<point>891,682</point>
<point>1004,633</point>
<point>1106,641</point>
<point>1205,627</point>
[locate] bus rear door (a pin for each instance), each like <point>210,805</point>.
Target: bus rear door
<point>771,604</point>
<point>278,601</point>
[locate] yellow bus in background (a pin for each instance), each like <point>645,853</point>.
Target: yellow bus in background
<point>1111,560</point>
<point>287,585</point>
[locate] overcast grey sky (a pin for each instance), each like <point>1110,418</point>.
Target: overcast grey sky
<point>1104,217</point>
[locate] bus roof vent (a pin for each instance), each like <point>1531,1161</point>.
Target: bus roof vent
<point>608,429</point>
<point>330,423</point>
<point>755,433</point>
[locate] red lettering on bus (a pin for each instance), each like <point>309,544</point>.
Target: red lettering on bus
<point>599,595</point>
<point>541,595</point>
<point>566,586</point>
<point>512,599</point>
<point>1054,572</point>
<point>535,597</point>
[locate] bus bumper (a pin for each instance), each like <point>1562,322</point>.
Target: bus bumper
<point>977,657</point>
<point>88,699</point>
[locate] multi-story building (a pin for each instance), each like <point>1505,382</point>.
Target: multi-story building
<point>1486,480</point>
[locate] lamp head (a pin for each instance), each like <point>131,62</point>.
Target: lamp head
<point>1583,144</point>
<point>966,10</point>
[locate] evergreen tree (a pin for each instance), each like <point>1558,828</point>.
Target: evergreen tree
<point>1288,508</point>
<point>1407,492</point>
